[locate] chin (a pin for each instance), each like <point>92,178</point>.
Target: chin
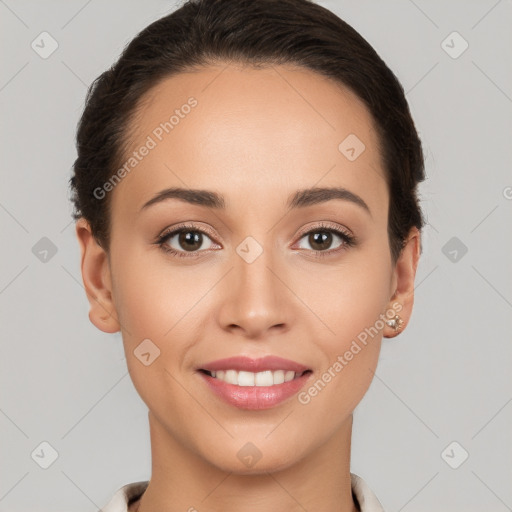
<point>248,459</point>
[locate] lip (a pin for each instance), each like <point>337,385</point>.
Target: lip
<point>247,364</point>
<point>254,397</point>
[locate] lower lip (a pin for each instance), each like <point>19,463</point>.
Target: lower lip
<point>255,397</point>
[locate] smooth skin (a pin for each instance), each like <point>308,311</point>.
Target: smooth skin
<point>256,136</point>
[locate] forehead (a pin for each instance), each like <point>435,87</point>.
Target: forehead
<point>251,134</point>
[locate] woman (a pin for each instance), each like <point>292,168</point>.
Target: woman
<point>246,206</point>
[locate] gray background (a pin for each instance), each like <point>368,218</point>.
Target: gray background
<point>445,379</point>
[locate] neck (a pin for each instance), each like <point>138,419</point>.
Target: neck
<point>181,480</point>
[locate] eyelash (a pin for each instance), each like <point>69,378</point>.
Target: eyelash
<point>348,240</point>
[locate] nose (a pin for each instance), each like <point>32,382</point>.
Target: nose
<point>255,299</point>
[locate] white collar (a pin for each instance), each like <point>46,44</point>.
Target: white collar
<point>122,498</point>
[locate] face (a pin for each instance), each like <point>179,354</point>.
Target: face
<point>269,268</point>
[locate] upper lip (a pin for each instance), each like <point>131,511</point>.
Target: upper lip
<point>243,363</point>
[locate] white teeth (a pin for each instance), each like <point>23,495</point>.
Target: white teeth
<point>244,378</point>
<point>230,377</point>
<point>289,376</point>
<point>278,376</point>
<point>265,378</point>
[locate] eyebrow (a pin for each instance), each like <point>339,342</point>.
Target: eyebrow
<point>299,199</point>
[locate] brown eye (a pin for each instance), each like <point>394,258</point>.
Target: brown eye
<point>183,240</point>
<point>320,240</point>
<point>190,240</point>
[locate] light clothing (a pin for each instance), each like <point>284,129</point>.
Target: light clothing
<point>129,493</point>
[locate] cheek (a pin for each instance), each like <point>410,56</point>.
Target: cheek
<point>348,297</point>
<point>358,301</point>
<point>152,296</point>
<point>159,303</point>
<point>350,355</point>
<point>352,301</point>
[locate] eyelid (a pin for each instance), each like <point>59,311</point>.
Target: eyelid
<point>170,232</point>
<point>209,232</point>
<point>325,225</point>
<point>184,226</point>
<point>342,231</point>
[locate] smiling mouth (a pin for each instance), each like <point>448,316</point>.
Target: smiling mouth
<point>256,379</point>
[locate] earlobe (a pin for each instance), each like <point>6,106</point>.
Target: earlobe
<point>402,299</point>
<point>97,279</point>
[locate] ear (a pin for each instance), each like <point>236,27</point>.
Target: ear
<point>95,268</point>
<point>404,273</point>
